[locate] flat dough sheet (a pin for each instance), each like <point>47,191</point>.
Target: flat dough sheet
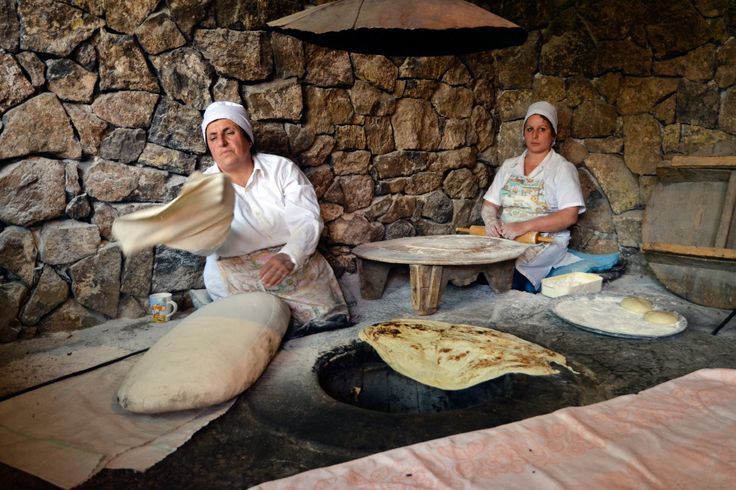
<point>603,315</point>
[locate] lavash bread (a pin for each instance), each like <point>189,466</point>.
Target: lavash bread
<point>213,355</point>
<point>197,221</point>
<point>456,356</point>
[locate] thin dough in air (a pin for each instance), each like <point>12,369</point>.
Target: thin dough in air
<point>636,304</point>
<point>660,317</point>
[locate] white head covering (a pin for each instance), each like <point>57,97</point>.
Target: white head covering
<point>545,109</point>
<point>223,109</point>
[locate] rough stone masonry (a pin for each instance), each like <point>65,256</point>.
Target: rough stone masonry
<point>101,103</point>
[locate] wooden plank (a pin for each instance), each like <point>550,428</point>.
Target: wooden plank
<point>373,277</point>
<point>731,240</point>
<point>705,281</point>
<point>689,174</point>
<point>427,284</point>
<point>441,250</point>
<point>704,162</point>
<point>500,276</point>
<point>686,213</point>
<point>688,250</point>
<point>729,202</point>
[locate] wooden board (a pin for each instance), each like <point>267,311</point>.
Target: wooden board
<point>704,281</point>
<point>689,230</point>
<point>685,213</point>
<point>441,250</point>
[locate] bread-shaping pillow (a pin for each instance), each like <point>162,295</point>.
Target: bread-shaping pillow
<point>213,355</point>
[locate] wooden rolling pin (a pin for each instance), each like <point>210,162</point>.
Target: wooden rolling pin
<point>528,237</point>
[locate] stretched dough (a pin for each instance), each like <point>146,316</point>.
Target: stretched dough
<point>636,304</point>
<point>198,220</point>
<point>660,317</point>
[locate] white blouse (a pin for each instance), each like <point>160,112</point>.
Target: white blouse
<point>277,206</point>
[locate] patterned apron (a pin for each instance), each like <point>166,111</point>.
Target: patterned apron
<point>312,292</point>
<point>523,199</point>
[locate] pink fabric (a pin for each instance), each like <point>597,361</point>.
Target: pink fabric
<point>680,434</point>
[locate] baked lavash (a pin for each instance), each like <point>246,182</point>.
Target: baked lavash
<point>456,356</point>
<point>197,221</point>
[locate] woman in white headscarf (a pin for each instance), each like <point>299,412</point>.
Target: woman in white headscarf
<point>537,191</point>
<point>275,228</point>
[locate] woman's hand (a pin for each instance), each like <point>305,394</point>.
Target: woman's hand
<point>489,213</point>
<point>512,230</point>
<point>275,270</point>
<point>494,228</point>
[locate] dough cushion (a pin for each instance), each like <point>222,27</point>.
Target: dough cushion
<point>636,304</point>
<point>213,355</point>
<point>198,220</point>
<point>453,356</point>
<point>660,317</point>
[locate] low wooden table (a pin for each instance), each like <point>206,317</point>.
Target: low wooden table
<point>434,260</point>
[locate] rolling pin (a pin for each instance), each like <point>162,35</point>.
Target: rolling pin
<point>528,237</point>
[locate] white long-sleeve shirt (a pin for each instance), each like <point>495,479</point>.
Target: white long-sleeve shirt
<point>277,206</point>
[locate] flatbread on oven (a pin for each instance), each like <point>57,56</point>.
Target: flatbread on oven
<point>455,356</point>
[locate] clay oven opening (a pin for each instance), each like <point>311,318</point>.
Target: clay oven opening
<point>356,375</point>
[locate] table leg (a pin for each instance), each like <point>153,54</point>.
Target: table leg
<point>373,277</point>
<point>500,275</point>
<point>426,288</point>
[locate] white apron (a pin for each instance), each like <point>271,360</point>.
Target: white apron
<point>522,199</point>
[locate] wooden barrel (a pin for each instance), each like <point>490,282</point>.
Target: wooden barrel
<point>689,229</point>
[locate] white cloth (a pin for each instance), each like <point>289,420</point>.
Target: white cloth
<point>561,189</point>
<point>71,429</point>
<point>545,109</point>
<point>227,110</point>
<point>277,206</point>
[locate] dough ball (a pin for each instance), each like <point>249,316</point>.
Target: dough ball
<point>660,317</point>
<point>636,304</point>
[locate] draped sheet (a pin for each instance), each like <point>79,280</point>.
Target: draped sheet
<point>679,434</point>
<point>67,431</point>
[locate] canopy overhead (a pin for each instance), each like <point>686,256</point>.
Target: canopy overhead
<point>402,27</point>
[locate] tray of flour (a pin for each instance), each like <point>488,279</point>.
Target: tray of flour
<point>605,315</point>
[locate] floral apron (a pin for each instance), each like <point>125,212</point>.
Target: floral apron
<point>523,199</point>
<point>312,292</point>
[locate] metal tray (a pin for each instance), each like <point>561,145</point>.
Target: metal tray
<point>603,315</point>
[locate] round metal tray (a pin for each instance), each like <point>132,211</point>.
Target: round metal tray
<point>603,315</point>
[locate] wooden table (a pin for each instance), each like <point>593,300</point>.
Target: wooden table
<point>434,260</point>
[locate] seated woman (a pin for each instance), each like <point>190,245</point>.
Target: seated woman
<point>275,229</point>
<point>539,191</point>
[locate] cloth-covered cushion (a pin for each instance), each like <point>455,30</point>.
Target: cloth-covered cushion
<point>211,356</point>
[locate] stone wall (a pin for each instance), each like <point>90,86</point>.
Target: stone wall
<point>101,103</point>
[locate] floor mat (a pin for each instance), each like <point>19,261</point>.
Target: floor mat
<point>67,431</point>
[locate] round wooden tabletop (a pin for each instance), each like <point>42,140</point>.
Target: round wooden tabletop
<point>441,250</point>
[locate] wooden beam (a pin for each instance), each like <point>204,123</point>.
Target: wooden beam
<point>704,162</point>
<point>676,249</point>
<point>729,202</point>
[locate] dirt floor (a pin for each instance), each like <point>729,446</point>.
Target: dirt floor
<point>286,424</point>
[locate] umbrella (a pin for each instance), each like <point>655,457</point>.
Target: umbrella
<point>402,27</point>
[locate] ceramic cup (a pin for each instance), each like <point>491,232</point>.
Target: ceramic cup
<point>162,307</point>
